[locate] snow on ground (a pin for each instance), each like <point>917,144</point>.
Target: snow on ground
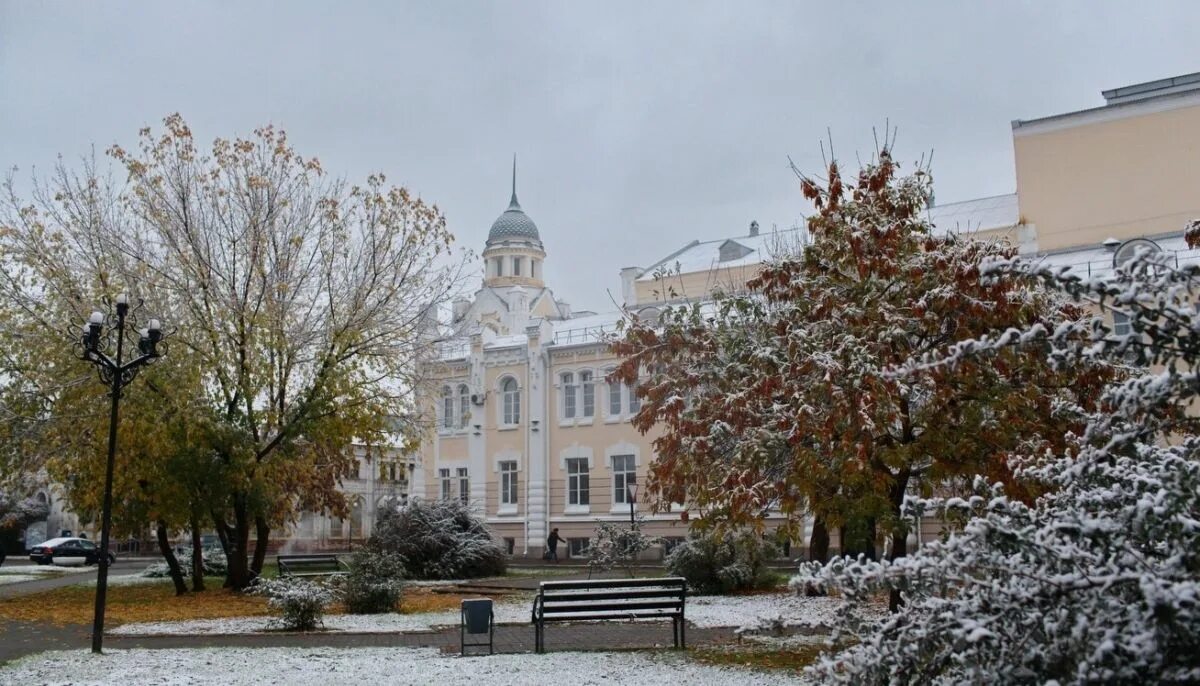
<point>752,611</point>
<point>320,666</point>
<point>506,613</point>
<point>756,610</point>
<point>17,578</point>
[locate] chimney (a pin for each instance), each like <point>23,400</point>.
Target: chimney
<point>564,307</point>
<point>754,228</point>
<point>628,290</point>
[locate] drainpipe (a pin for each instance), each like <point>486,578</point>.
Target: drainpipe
<point>529,359</point>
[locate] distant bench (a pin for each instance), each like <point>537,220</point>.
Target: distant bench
<point>309,565</point>
<point>575,601</point>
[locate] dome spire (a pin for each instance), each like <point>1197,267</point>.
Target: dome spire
<point>512,203</point>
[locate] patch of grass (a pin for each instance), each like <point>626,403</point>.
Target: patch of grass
<point>792,658</point>
<point>415,601</point>
<point>141,603</point>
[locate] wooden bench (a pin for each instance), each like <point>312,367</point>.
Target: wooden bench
<point>309,565</point>
<point>576,601</point>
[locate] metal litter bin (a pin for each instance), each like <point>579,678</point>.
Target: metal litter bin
<point>477,618</point>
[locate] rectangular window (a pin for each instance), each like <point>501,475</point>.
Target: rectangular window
<point>670,542</point>
<point>447,410</point>
<point>508,482</point>
<point>614,399</point>
<point>568,394</point>
<point>577,481</point>
<point>464,485</point>
<point>623,474</point>
<point>577,547</point>
<point>464,406</point>
<point>516,266</point>
<point>635,403</point>
<point>509,545</point>
<point>589,394</point>
<point>1121,324</point>
<point>444,476</point>
<point>499,266</point>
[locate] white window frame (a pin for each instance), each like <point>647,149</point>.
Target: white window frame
<point>464,406</point>
<point>516,265</point>
<point>447,424</point>
<point>508,410</point>
<point>463,476</point>
<point>622,476</point>
<point>510,485</point>
<point>569,403</point>
<point>622,448</point>
<point>587,394</point>
<point>613,392</point>
<point>579,484</point>
<point>444,478</point>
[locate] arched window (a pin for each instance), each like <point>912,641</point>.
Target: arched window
<point>614,395</point>
<point>588,387</point>
<point>447,408</point>
<point>464,405</point>
<point>568,395</point>
<point>510,401</point>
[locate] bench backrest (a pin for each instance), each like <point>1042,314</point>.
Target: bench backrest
<point>308,564</point>
<point>611,598</point>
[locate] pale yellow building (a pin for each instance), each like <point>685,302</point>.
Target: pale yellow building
<point>529,432</point>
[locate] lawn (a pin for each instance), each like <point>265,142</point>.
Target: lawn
<point>157,602</point>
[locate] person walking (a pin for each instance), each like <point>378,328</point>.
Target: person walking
<point>552,545</point>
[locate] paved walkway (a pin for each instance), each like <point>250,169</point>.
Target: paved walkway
<point>18,639</point>
<point>70,578</point>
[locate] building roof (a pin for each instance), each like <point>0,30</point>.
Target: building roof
<point>1097,261</point>
<point>514,224</point>
<point>981,214</point>
<point>705,255</point>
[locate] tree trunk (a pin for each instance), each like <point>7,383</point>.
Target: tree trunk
<point>176,571</point>
<point>262,534</point>
<point>238,575</point>
<point>818,542</point>
<point>197,557</point>
<point>222,533</point>
<point>899,534</point>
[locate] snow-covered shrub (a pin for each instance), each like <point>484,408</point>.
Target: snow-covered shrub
<point>723,561</point>
<point>614,545</point>
<point>1098,581</point>
<point>16,513</point>
<point>215,564</point>
<point>439,539</point>
<point>301,604</point>
<point>373,583</point>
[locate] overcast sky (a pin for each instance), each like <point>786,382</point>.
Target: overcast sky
<point>637,128</point>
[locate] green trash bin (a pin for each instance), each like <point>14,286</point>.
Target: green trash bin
<point>477,618</point>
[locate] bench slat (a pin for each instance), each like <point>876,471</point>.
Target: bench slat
<point>679,582</point>
<point>613,607</point>
<point>584,617</point>
<point>610,595</point>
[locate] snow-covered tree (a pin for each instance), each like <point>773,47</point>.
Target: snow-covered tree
<point>782,398</point>
<point>439,539</point>
<point>616,545</point>
<point>1098,581</point>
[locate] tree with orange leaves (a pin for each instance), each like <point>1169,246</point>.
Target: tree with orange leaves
<point>785,398</point>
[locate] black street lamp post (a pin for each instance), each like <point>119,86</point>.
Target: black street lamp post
<point>632,487</point>
<point>116,374</point>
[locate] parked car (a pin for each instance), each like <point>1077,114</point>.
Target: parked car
<point>66,551</point>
